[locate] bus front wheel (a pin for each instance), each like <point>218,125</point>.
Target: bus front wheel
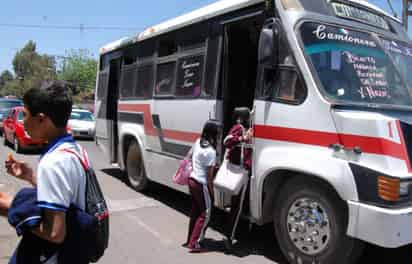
<point>310,223</point>
<point>136,173</point>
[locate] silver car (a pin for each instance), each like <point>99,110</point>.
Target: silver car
<point>82,124</point>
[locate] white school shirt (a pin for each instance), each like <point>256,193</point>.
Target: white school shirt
<point>61,182</point>
<point>202,158</point>
<point>61,179</point>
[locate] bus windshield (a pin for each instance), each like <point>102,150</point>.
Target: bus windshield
<point>402,56</point>
<point>355,67</point>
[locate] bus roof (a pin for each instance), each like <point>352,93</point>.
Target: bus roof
<point>201,14</point>
<point>204,13</point>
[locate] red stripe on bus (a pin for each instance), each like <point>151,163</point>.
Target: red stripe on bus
<point>373,145</point>
<point>302,136</point>
<point>367,144</point>
<point>181,135</point>
<point>150,130</point>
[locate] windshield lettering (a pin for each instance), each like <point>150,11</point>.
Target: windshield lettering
<point>344,36</point>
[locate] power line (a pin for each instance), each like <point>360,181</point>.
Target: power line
<point>80,27</point>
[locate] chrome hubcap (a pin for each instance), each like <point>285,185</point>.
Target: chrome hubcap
<point>308,226</point>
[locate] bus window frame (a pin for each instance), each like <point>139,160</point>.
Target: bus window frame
<point>278,68</point>
<point>162,61</point>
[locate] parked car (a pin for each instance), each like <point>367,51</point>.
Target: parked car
<point>5,105</point>
<point>82,123</point>
<point>15,134</point>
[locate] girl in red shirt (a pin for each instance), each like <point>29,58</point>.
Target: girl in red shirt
<point>239,134</point>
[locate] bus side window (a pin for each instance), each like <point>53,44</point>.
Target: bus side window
<point>165,78</point>
<point>144,81</point>
<point>283,85</point>
<point>189,76</point>
<point>128,80</point>
<point>167,45</point>
<point>289,87</point>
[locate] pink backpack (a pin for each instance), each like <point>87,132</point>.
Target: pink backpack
<point>182,174</point>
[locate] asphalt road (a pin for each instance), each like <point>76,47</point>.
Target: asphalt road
<point>150,227</point>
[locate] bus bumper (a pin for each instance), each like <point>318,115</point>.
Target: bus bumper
<point>385,227</point>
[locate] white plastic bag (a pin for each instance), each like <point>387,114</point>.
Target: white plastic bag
<point>230,178</point>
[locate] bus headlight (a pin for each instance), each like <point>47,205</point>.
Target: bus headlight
<point>404,188</point>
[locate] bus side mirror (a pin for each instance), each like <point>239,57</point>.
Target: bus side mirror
<point>269,43</point>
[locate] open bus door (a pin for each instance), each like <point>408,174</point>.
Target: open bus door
<point>106,123</point>
<point>239,72</point>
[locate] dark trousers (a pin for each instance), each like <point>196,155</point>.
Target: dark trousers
<point>200,213</point>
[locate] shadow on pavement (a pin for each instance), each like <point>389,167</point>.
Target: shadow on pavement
<point>260,240</point>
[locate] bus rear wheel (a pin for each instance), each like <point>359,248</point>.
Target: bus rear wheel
<point>136,173</point>
<point>310,224</point>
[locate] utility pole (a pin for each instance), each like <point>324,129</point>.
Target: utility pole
<point>406,12</point>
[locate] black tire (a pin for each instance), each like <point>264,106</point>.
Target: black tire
<point>5,143</point>
<point>16,145</point>
<point>136,173</point>
<point>335,246</point>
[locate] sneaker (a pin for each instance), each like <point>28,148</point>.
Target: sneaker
<point>185,245</point>
<point>197,249</point>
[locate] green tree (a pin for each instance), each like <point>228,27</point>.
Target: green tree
<point>79,68</point>
<point>5,77</point>
<point>30,69</point>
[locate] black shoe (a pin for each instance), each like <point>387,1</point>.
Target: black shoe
<point>228,245</point>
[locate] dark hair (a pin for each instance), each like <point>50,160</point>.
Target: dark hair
<point>53,99</point>
<point>242,114</point>
<point>210,133</point>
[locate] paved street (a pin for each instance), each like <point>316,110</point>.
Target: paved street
<point>150,227</point>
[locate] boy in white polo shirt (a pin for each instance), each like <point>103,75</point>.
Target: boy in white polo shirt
<point>60,178</point>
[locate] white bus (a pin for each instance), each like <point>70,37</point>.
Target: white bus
<point>330,85</point>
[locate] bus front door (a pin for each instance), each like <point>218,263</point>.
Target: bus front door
<point>106,123</point>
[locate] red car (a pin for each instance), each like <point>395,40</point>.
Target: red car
<point>15,134</point>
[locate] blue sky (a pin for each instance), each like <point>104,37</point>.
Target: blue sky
<point>133,15</point>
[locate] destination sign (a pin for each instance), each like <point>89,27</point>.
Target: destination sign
<point>351,12</point>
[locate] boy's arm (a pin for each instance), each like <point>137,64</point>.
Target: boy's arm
<point>20,170</point>
<point>53,226</point>
<point>5,203</point>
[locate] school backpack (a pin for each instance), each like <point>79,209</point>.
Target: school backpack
<point>97,207</point>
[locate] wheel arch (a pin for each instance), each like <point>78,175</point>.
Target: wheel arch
<point>129,133</point>
<point>276,179</point>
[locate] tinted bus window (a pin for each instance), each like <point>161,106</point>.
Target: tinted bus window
<point>197,33</point>
<point>165,78</point>
<point>146,48</point>
<point>167,45</point>
<point>189,76</point>
<point>144,81</point>
<point>102,86</point>
<point>128,80</point>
